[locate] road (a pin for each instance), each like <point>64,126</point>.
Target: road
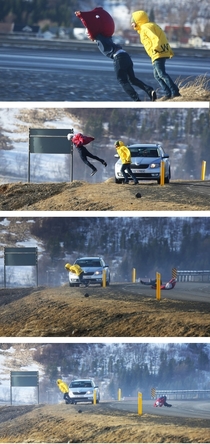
<point>199,409</point>
<point>183,291</point>
<point>48,60</point>
<point>35,74</point>
<point>185,409</point>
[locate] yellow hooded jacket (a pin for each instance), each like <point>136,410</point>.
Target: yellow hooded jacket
<point>74,269</point>
<point>124,152</point>
<point>152,37</point>
<point>62,386</point>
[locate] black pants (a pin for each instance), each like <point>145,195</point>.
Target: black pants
<point>67,398</point>
<point>123,66</point>
<point>84,153</point>
<point>127,167</point>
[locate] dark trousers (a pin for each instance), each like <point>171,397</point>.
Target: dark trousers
<point>126,166</point>
<point>164,80</point>
<point>123,66</point>
<point>84,153</point>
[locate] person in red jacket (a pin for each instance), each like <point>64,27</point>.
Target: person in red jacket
<point>100,27</point>
<point>79,141</point>
<point>162,401</point>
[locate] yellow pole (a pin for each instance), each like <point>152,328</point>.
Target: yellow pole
<point>203,170</point>
<point>158,278</point>
<point>140,408</point>
<point>94,396</point>
<point>119,394</point>
<point>134,275</point>
<point>104,278</point>
<point>162,173</point>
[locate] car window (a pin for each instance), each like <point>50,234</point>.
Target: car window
<point>144,152</point>
<point>75,384</point>
<point>89,263</point>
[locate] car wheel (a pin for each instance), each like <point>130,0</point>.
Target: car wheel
<point>118,180</point>
<point>71,285</point>
<point>107,283</point>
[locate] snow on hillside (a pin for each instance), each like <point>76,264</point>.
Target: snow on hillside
<point>43,167</point>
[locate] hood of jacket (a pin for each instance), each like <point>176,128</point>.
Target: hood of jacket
<point>120,143</point>
<point>140,18</point>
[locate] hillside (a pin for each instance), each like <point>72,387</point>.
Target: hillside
<point>106,196</point>
<point>117,311</point>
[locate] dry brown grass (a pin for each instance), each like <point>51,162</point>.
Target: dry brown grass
<point>194,90</point>
<point>63,424</point>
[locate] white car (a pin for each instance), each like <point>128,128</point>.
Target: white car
<point>93,268</point>
<point>145,162</point>
<point>82,390</point>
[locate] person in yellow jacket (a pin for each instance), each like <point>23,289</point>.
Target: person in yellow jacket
<point>125,156</point>
<point>75,268</point>
<point>64,389</point>
<point>157,47</point>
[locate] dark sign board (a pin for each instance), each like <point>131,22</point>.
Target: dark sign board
<point>24,379</point>
<point>49,141</point>
<point>19,256</point>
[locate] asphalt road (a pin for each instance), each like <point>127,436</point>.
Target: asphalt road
<point>48,60</point>
<point>185,409</point>
<point>183,291</point>
<point>52,75</point>
<point>199,409</point>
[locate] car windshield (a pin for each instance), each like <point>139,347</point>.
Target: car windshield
<point>75,384</point>
<point>89,263</point>
<point>144,152</point>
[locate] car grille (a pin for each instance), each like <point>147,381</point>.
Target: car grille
<point>140,167</point>
<point>79,393</point>
<point>89,273</point>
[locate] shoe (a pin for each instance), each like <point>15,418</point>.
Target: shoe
<point>153,95</point>
<point>125,183</point>
<point>94,172</point>
<point>176,95</point>
<point>104,163</point>
<point>136,182</point>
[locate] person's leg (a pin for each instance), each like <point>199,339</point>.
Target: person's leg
<point>125,175</point>
<point>131,174</point>
<point>120,67</point>
<point>92,156</point>
<point>137,82</point>
<point>83,157</point>
<point>160,74</point>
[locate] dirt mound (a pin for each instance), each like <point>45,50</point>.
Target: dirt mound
<point>63,423</point>
<point>83,196</point>
<point>119,310</point>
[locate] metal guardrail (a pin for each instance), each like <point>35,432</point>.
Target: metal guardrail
<point>84,45</point>
<point>183,394</point>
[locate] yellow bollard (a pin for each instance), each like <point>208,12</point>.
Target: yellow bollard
<point>104,278</point>
<point>134,275</point>
<point>203,170</point>
<point>158,278</point>
<point>140,407</point>
<point>162,173</point>
<point>94,396</point>
<point>119,394</point>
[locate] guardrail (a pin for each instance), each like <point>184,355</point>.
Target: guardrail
<point>183,394</point>
<point>84,45</point>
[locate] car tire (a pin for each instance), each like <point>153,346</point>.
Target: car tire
<point>71,285</point>
<point>118,180</point>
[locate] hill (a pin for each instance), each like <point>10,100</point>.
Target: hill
<point>106,196</point>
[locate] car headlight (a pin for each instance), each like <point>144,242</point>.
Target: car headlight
<point>154,165</point>
<point>89,392</point>
<point>97,272</point>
